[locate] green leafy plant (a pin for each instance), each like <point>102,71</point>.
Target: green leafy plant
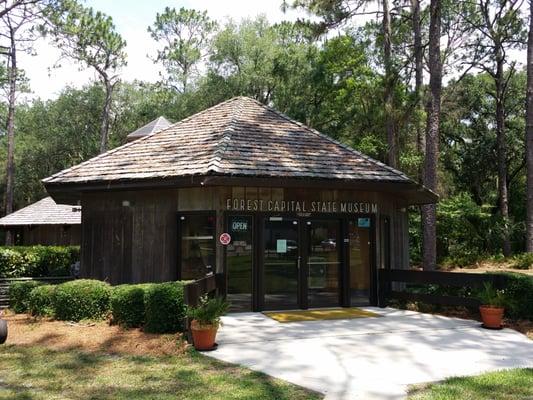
<point>519,296</point>
<point>82,299</point>
<point>522,261</point>
<point>164,307</point>
<point>41,301</point>
<point>208,311</point>
<point>490,296</point>
<point>127,305</point>
<point>37,261</point>
<point>19,295</point>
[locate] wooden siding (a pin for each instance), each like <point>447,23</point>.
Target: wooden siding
<point>131,236</point>
<point>48,235</point>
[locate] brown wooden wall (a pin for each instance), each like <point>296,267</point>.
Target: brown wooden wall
<point>132,236</point>
<point>48,235</point>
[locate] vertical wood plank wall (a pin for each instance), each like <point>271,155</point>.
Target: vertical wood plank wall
<point>51,235</point>
<point>132,236</point>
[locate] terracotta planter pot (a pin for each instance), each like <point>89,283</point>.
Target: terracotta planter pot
<point>3,331</point>
<point>203,336</point>
<point>491,316</point>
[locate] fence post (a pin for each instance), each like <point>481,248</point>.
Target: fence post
<point>383,286</point>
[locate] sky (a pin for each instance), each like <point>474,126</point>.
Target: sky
<point>131,18</point>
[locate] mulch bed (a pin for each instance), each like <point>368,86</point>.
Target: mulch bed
<point>97,337</point>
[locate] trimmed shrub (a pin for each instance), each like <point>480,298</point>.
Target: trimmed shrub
<point>19,295</point>
<point>519,296</point>
<point>37,261</point>
<point>127,305</point>
<point>81,299</point>
<point>41,301</point>
<point>164,307</point>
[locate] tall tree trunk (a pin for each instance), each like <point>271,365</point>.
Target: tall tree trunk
<point>429,212</point>
<point>10,167</point>
<point>501,150</point>
<point>104,127</point>
<point>392,152</point>
<point>419,74</point>
<point>529,134</point>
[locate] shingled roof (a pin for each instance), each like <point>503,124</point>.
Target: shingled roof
<point>237,138</point>
<point>154,126</point>
<point>44,212</point>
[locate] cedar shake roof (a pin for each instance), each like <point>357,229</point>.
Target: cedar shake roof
<point>44,212</point>
<point>156,125</point>
<point>239,137</point>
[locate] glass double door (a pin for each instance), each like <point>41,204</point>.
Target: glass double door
<point>301,263</point>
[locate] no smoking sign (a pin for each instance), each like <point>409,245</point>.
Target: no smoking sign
<point>225,239</point>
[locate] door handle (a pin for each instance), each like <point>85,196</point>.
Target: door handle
<point>298,264</point>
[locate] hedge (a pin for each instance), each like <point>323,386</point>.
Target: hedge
<point>518,293</point>
<point>159,307</point>
<point>19,295</point>
<point>37,261</point>
<point>164,307</point>
<point>81,299</point>
<point>127,305</point>
<point>41,300</point>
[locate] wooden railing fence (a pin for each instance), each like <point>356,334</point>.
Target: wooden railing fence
<point>450,279</point>
<point>6,282</point>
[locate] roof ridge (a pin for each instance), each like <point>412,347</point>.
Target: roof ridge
<point>126,145</point>
<point>324,136</point>
<point>225,138</point>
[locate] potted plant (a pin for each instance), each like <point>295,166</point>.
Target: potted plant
<point>492,306</point>
<point>206,320</point>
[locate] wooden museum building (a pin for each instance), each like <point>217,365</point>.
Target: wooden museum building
<point>287,216</point>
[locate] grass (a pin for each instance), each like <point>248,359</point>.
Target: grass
<point>511,384</point>
<point>38,373</point>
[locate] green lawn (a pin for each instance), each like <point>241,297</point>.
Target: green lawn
<point>512,384</point>
<point>38,373</point>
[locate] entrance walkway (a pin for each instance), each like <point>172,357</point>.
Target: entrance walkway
<point>369,358</point>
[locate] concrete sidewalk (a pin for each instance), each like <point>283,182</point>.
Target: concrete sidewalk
<point>369,358</point>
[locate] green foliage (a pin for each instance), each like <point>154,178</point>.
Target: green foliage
<point>37,261</point>
<point>490,296</point>
<point>209,311</point>
<point>19,295</point>
<point>82,299</point>
<point>165,308</point>
<point>127,305</point>
<point>519,296</point>
<point>185,36</point>
<point>522,261</point>
<point>41,301</point>
<point>13,264</point>
<point>85,35</point>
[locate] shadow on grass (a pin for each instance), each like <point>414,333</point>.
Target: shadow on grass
<point>40,373</point>
<point>513,384</point>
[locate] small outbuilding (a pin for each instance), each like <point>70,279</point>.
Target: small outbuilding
<point>289,217</point>
<point>46,223</point>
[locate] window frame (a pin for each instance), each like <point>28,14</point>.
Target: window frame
<point>188,214</point>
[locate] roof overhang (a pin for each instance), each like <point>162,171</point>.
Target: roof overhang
<point>410,192</point>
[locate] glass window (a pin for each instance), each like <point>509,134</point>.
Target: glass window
<point>197,245</point>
